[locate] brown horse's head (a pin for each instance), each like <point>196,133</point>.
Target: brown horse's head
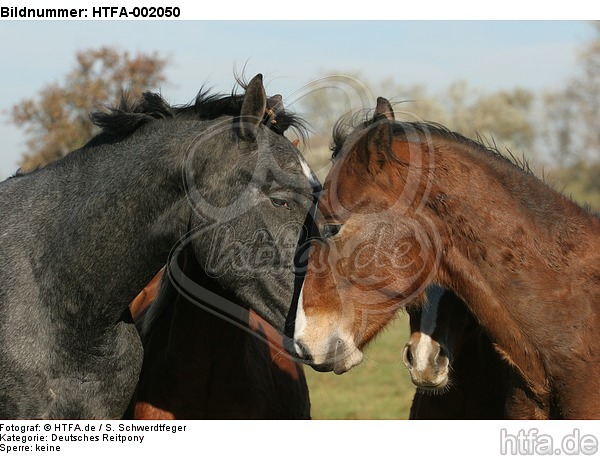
<point>375,252</point>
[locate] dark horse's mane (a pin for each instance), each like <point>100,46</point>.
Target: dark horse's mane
<point>423,130</point>
<point>119,122</point>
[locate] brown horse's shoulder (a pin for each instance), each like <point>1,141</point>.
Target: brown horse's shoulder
<point>142,301</point>
<point>147,411</point>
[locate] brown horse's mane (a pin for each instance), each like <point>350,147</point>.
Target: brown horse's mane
<point>424,130</point>
<point>484,150</point>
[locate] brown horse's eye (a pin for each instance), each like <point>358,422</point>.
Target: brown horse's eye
<point>278,202</point>
<point>330,230</point>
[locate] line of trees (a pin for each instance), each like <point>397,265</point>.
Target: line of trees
<point>555,130</point>
<point>57,120</point>
<point>558,131</point>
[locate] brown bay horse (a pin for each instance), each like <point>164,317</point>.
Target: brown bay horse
<point>457,371</point>
<point>198,365</point>
<point>410,204</point>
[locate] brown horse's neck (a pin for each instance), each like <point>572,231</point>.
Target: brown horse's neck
<point>524,258</point>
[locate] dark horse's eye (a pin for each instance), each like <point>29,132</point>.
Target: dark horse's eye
<point>330,230</point>
<point>278,202</point>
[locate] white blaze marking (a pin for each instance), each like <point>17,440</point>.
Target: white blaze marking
<point>300,323</point>
<point>428,322</point>
<point>320,347</point>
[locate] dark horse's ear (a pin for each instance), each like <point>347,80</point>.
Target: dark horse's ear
<point>379,137</point>
<point>253,108</point>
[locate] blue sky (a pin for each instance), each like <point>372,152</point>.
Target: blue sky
<point>489,55</point>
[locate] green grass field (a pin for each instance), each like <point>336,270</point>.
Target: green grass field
<point>378,388</point>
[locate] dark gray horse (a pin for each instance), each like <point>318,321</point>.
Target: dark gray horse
<point>82,236</point>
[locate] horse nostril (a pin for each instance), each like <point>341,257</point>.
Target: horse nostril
<point>302,351</point>
<point>441,359</point>
<point>408,356</point>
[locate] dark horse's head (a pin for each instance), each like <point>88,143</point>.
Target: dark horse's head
<point>250,196</point>
<point>247,192</point>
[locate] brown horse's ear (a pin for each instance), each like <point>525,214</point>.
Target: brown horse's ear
<point>383,110</point>
<point>253,107</point>
<point>380,136</point>
<point>379,146</point>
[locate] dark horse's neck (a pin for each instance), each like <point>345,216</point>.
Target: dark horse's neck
<point>114,212</point>
<point>80,238</point>
<point>526,261</point>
